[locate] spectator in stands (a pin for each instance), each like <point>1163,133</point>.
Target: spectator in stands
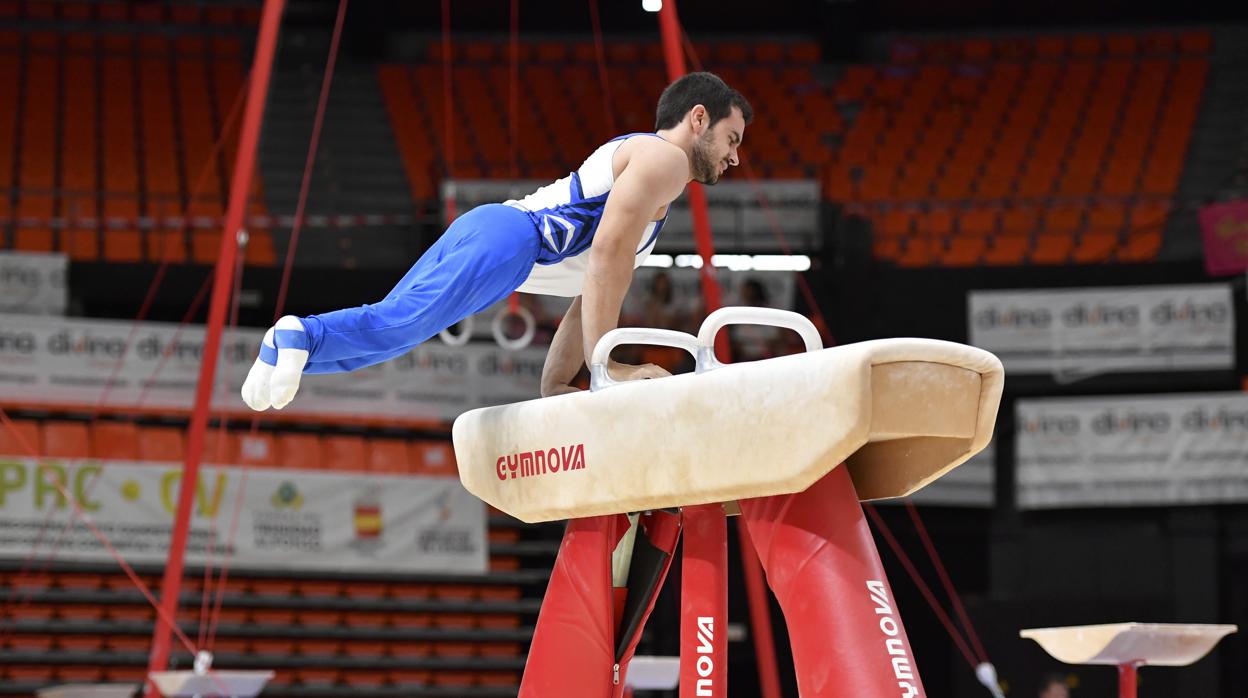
<point>661,310</point>
<point>579,237</point>
<point>751,342</point>
<point>1054,686</point>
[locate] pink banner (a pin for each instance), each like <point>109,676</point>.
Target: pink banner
<point>1225,230</point>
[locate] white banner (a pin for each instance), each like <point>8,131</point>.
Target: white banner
<point>58,361</point>
<point>1129,450</point>
<point>1078,332</point>
<point>288,519</point>
<point>741,221</point>
<point>33,283</point>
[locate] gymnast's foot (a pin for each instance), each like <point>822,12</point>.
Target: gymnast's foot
<point>274,378</point>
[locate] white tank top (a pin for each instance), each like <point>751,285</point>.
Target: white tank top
<point>566,213</point>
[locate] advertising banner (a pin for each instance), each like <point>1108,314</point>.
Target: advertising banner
<point>1073,333</point>
<point>1132,450</point>
<point>297,520</point>
<point>33,283</point>
<point>58,361</point>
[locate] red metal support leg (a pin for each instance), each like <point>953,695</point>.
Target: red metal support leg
<point>844,625</point>
<point>704,603</point>
<point>1127,680</point>
<point>573,648</point>
<point>253,116</point>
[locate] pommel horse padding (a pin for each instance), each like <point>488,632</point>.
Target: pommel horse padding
<point>898,412</point>
<point>767,437</point>
<point>1129,646</point>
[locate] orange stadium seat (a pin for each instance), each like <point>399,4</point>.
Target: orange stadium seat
<point>388,456</point>
<point>344,452</point>
<point>434,458</point>
<point>163,444</point>
<point>114,440</point>
<point>65,440</point>
<point>301,451</point>
<point>28,438</point>
<point>259,448</point>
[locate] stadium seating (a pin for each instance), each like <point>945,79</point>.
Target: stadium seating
<point>105,174</point>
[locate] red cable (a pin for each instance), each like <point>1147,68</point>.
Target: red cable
<point>448,113</point>
<point>24,600</point>
<point>86,520</point>
<point>513,121</point>
<point>513,97</point>
<point>918,581</point>
<point>821,322</point>
<point>200,184</point>
<point>145,307</point>
<point>317,122</point>
<point>602,67</point>
<point>946,581</point>
<point>210,620</point>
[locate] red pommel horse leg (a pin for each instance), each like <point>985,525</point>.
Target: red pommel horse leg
<point>791,444</point>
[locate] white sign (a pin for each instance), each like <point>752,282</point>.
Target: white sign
<point>1190,449</point>
<point>745,216</point>
<point>287,519</point>
<point>1078,332</point>
<point>46,361</point>
<point>33,283</point>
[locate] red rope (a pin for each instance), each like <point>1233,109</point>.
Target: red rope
<point>918,581</point>
<point>86,520</point>
<point>513,98</point>
<point>208,623</point>
<point>448,112</point>
<point>773,221</point>
<point>201,183</point>
<point>317,122</point>
<point>309,166</point>
<point>946,581</point>
<point>600,54</point>
<point>149,298</point>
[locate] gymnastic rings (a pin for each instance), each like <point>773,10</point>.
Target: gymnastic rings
<point>525,338</point>
<point>458,340</point>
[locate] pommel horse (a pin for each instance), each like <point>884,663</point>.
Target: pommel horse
<point>632,464</point>
<point>1130,646</point>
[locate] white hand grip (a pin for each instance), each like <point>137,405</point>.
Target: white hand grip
<point>600,378</point>
<point>746,315</point>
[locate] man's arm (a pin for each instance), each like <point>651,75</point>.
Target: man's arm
<point>653,177</point>
<point>565,357</point>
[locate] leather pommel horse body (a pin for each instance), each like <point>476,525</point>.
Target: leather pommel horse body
<point>792,444</point>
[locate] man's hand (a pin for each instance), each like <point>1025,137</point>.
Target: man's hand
<point>628,372</point>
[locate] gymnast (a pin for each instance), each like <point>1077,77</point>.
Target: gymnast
<point>580,236</point>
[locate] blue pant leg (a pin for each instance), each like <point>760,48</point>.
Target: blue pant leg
<point>484,256</point>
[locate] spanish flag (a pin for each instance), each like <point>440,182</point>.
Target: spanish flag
<point>367,521</point>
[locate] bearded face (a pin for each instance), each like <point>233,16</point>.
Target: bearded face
<point>715,149</point>
<point>707,164</point>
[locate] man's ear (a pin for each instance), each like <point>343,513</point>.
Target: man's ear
<point>699,120</point>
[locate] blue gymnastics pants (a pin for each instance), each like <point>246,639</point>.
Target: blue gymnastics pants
<point>483,257</point>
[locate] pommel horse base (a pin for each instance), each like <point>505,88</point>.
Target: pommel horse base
<point>1130,646</point>
<point>792,444</point>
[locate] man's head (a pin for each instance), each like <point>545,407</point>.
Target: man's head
<point>716,116</point>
